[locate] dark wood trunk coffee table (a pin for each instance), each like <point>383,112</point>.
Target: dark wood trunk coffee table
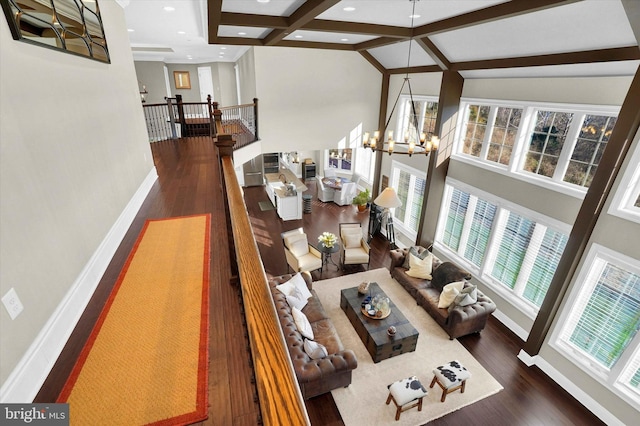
<point>373,332</point>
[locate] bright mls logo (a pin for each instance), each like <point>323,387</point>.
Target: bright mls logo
<point>36,414</point>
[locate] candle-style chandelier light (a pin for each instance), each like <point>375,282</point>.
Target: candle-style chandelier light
<point>412,143</point>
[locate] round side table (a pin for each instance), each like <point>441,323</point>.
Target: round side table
<point>326,255</point>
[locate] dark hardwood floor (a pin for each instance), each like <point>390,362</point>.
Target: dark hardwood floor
<point>189,183</point>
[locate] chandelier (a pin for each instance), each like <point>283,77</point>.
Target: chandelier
<point>412,143</point>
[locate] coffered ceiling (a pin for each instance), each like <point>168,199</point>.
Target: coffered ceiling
<point>478,38</point>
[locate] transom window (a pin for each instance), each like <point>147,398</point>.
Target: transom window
<point>562,145</point>
<point>490,132</point>
<point>599,330</point>
<point>515,252</point>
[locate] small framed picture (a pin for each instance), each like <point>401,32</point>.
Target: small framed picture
<point>182,80</point>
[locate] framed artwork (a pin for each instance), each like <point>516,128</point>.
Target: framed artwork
<point>182,80</point>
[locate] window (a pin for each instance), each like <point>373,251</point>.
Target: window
<point>562,146</point>
<point>626,201</point>
<point>592,140</point>
<point>493,127</point>
<point>599,330</point>
<point>426,110</point>
<point>409,184</point>
<point>514,252</point>
<point>547,139</point>
<point>340,159</point>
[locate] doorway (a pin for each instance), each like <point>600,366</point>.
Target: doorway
<point>205,81</point>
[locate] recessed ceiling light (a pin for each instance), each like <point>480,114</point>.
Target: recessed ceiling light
<point>264,1</point>
<point>298,36</point>
<point>130,30</point>
<point>223,48</point>
<point>349,9</point>
<point>169,9</point>
<point>414,16</point>
<point>181,32</point>
<point>344,39</point>
<point>242,33</point>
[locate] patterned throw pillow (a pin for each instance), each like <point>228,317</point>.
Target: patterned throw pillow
<point>467,296</point>
<point>302,323</point>
<point>414,250</point>
<point>315,350</point>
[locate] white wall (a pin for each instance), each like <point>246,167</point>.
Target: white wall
<point>74,151</point>
<point>313,98</point>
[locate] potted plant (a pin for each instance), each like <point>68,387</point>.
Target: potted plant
<point>362,199</point>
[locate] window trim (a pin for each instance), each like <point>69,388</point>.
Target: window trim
<point>401,123</point>
<point>628,190</point>
<point>414,173</point>
<point>520,149</point>
<point>610,378</point>
<point>483,272</point>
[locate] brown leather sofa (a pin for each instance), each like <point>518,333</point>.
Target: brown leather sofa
<point>315,376</point>
<point>461,320</point>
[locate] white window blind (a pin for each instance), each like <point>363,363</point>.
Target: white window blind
<point>606,316</point>
<point>455,218</point>
<point>514,240</point>
<point>479,232</point>
<point>509,250</point>
<point>544,266</point>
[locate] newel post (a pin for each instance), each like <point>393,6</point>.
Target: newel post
<point>225,142</point>
<point>255,116</point>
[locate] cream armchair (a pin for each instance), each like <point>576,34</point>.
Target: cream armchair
<point>301,256</point>
<point>354,249</point>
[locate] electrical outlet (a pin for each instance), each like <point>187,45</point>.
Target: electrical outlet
<point>12,302</point>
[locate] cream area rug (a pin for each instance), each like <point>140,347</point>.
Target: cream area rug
<point>363,402</point>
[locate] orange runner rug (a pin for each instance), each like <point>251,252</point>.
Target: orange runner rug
<point>146,360</point>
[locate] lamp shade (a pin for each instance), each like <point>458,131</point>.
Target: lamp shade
<point>388,199</point>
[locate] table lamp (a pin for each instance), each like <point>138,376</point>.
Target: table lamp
<point>388,199</point>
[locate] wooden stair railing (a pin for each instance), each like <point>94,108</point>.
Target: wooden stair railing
<point>280,398</point>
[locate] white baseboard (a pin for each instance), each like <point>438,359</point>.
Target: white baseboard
<point>25,380</point>
<point>585,399</point>
<point>511,325</point>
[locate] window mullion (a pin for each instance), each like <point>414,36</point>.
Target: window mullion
<point>466,227</point>
<point>568,147</point>
<point>497,233</point>
<point>529,258</point>
<point>526,127</point>
<point>491,120</point>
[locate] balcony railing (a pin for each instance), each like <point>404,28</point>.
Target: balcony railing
<point>279,395</point>
<point>175,119</point>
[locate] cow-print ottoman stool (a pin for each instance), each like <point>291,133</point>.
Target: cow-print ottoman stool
<point>404,392</point>
<point>450,377</point>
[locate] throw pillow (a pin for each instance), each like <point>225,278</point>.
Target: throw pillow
<point>447,273</point>
<point>302,323</point>
<point>467,296</point>
<point>416,252</point>
<point>352,240</point>
<point>420,268</point>
<point>297,302</point>
<point>301,287</point>
<point>315,350</point>
<point>299,247</point>
<point>449,293</point>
